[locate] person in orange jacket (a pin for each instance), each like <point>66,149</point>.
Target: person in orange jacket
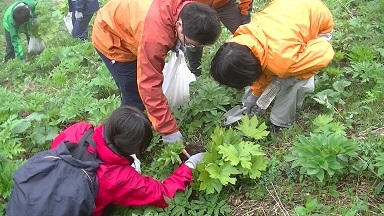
<point>287,41</point>
<point>232,15</point>
<point>133,38</point>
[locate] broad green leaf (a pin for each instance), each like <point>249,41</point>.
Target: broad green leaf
<point>250,128</point>
<point>312,171</point>
<point>301,211</point>
<point>379,188</point>
<point>209,185</point>
<point>36,116</point>
<point>230,154</point>
<point>20,126</point>
<point>259,163</point>
<point>380,171</point>
<point>222,173</point>
<point>320,175</point>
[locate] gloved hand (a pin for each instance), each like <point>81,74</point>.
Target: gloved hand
<point>173,137</point>
<point>250,103</point>
<point>245,19</point>
<point>78,15</point>
<point>194,160</point>
<point>34,21</point>
<point>326,36</point>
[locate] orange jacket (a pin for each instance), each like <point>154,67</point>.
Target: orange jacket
<point>284,38</point>
<point>125,30</point>
<point>245,6</point>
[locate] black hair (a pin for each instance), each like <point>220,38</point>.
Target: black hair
<point>201,23</point>
<point>128,130</point>
<point>234,65</point>
<point>21,14</point>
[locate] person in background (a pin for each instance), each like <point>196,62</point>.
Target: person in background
<point>133,38</point>
<point>17,19</point>
<point>127,131</point>
<point>82,12</point>
<point>232,15</point>
<point>287,41</point>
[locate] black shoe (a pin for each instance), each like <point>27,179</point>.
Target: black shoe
<point>277,131</point>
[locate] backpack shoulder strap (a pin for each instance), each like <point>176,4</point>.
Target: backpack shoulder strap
<point>79,151</point>
<point>86,139</point>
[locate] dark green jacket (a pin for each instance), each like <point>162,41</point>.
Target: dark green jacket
<point>14,29</point>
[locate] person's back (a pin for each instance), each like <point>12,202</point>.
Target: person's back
<point>127,131</point>
<point>284,42</point>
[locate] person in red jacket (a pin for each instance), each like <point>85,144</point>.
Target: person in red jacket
<point>133,38</point>
<point>127,131</point>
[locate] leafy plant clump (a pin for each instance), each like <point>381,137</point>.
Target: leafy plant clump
<point>325,153</point>
<point>231,153</point>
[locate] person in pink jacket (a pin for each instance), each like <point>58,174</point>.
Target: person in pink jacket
<point>127,131</point>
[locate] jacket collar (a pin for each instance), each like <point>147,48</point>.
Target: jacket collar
<point>104,152</point>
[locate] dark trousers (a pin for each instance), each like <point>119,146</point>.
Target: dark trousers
<point>230,16</point>
<point>80,26</point>
<point>125,76</point>
<point>9,49</point>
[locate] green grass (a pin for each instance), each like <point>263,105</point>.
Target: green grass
<point>68,83</point>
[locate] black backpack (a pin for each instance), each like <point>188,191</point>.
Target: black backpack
<point>58,182</point>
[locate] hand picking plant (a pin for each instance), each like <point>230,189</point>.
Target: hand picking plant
<point>230,154</point>
<point>324,153</point>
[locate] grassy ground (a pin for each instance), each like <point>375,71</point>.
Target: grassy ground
<point>68,83</point>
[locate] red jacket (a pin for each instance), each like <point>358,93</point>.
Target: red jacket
<point>119,183</point>
<point>128,30</point>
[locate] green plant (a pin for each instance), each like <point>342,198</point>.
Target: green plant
<point>184,204</point>
<point>322,154</point>
<point>228,155</point>
<point>206,108</point>
<point>330,98</point>
<point>380,172</point>
<point>323,123</point>
<point>310,207</point>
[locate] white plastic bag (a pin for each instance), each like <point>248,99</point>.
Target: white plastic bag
<point>35,45</point>
<point>177,77</point>
<point>68,22</point>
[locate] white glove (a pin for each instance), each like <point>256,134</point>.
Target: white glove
<point>78,15</point>
<point>194,160</point>
<point>326,36</point>
<point>173,137</point>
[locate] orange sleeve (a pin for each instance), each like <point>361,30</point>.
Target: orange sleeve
<point>259,86</point>
<point>157,39</point>
<point>245,7</point>
<point>325,19</point>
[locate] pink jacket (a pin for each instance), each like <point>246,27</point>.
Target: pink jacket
<point>119,183</point>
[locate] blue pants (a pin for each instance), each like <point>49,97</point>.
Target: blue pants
<point>125,76</point>
<point>80,26</point>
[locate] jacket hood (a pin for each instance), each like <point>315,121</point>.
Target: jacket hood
<point>103,151</point>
